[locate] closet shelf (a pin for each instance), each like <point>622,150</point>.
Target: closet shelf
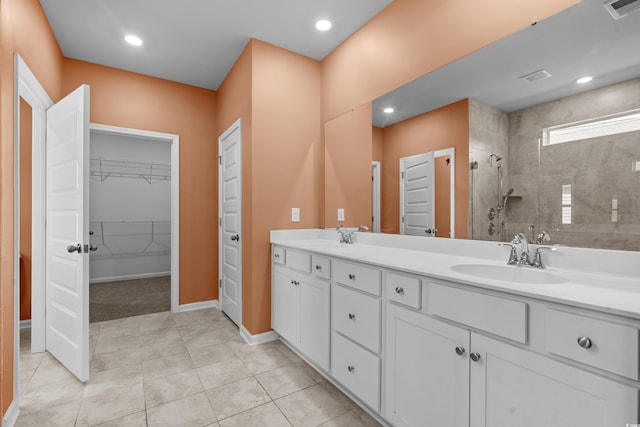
<point>131,238</point>
<point>102,168</point>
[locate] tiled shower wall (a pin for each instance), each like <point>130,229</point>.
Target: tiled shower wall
<point>598,169</point>
<point>488,133</point>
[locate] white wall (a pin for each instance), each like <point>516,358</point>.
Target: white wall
<point>128,251</point>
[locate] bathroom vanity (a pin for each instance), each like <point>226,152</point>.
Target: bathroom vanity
<point>441,332</point>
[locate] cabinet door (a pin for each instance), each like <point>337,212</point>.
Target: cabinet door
<point>314,320</point>
<point>427,382</point>
<point>284,318</point>
<point>511,386</point>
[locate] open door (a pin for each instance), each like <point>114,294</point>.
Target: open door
<point>417,195</point>
<point>67,232</point>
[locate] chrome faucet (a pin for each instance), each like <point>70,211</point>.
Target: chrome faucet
<point>346,236</point>
<point>521,239</point>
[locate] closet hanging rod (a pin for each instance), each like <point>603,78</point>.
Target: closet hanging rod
<point>129,221</point>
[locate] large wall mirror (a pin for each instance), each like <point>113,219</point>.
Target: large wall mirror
<point>535,151</point>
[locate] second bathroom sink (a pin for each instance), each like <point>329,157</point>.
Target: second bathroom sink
<point>509,273</point>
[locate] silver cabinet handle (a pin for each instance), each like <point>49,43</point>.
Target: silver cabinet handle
<point>318,267</point>
<point>352,316</point>
<point>475,356</point>
<point>459,350</point>
<point>74,248</point>
<point>93,248</point>
<point>399,290</point>
<point>351,368</point>
<point>352,276</point>
<point>585,342</point>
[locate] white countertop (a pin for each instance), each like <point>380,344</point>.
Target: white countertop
<point>603,291</point>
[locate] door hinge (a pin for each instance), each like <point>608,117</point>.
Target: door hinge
<point>402,175</point>
<point>403,220</point>
<point>220,160</point>
<point>220,283</point>
<point>220,221</point>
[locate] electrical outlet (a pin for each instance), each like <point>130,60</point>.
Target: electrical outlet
<point>340,214</point>
<point>295,214</point>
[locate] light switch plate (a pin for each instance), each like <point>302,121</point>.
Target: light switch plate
<point>295,214</point>
<point>340,214</point>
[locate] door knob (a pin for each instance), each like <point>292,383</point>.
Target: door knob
<point>235,238</point>
<point>585,342</point>
<point>74,248</point>
<point>475,356</point>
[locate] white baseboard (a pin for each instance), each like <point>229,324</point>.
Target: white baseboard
<point>198,305</point>
<point>258,338</point>
<point>11,416</point>
<point>129,277</point>
<point>24,324</point>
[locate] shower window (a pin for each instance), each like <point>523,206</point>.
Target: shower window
<point>628,121</point>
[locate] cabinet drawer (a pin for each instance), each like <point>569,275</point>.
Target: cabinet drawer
<point>278,255</point>
<point>610,346</point>
<point>499,316</point>
<point>356,369</point>
<point>320,267</point>
<point>357,276</point>
<point>403,289</point>
<point>356,316</point>
<point>300,261</point>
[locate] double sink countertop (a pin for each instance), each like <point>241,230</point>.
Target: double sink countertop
<point>601,280</point>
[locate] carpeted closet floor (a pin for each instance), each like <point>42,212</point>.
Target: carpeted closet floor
<point>115,300</point>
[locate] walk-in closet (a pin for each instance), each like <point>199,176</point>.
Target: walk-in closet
<point>130,223</point>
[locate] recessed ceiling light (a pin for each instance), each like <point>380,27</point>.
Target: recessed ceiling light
<point>323,25</point>
<point>133,40</point>
<point>583,80</point>
<point>388,110</point>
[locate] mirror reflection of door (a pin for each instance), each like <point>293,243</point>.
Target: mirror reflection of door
<point>442,197</point>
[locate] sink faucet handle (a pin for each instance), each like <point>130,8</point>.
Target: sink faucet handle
<point>537,258</point>
<point>363,228</point>
<point>513,255</point>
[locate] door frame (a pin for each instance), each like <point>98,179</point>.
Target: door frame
<point>27,87</point>
<point>236,125</point>
<point>174,140</point>
<point>375,199</point>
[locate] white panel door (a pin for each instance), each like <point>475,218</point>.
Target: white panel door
<point>67,230</point>
<point>231,223</point>
<point>417,195</point>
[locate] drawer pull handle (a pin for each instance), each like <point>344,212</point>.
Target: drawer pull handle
<point>351,368</point>
<point>475,356</point>
<point>318,267</point>
<point>352,316</point>
<point>585,342</point>
<point>459,350</point>
<point>399,290</point>
<point>352,276</point>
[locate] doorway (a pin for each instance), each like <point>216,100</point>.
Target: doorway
<point>130,225</point>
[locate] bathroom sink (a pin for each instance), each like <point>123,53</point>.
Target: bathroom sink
<point>509,273</point>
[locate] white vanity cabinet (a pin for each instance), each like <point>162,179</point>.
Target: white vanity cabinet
<point>300,306</point>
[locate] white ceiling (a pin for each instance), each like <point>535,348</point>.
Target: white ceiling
<point>581,40</point>
<point>197,41</point>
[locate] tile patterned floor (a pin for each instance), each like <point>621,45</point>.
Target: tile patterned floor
<point>180,369</point>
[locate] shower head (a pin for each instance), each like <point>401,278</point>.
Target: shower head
<point>495,156</point>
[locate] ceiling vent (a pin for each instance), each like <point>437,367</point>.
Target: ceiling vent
<point>621,8</point>
<point>536,76</point>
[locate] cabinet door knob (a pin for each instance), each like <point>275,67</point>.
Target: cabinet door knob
<point>318,267</point>
<point>352,276</point>
<point>459,350</point>
<point>475,356</point>
<point>585,342</point>
<point>293,282</point>
<point>399,290</point>
<point>351,368</point>
<point>352,316</point>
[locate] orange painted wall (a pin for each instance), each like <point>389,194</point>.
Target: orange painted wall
<point>347,160</point>
<point>377,144</point>
<point>285,146</point>
<point>25,209</point>
<point>23,29</point>
<point>122,98</point>
<point>410,38</point>
<point>442,128</point>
